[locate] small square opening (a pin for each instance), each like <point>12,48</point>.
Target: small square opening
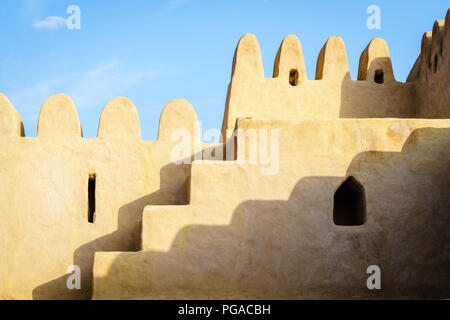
<point>379,77</point>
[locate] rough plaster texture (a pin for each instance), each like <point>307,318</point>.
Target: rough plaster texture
<point>44,186</point>
<point>221,229</point>
<point>332,95</point>
<point>244,235</point>
<point>432,72</point>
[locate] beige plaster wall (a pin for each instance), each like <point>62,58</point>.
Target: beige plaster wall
<point>432,72</point>
<point>332,95</point>
<point>221,229</point>
<point>246,235</point>
<point>44,187</point>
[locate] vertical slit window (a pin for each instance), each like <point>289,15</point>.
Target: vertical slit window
<point>91,198</point>
<point>435,63</point>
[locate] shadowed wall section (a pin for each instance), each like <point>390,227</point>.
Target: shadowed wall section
<point>44,215</point>
<point>431,72</point>
<point>245,235</point>
<point>361,179</point>
<point>332,95</point>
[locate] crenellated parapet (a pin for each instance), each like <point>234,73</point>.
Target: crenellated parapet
<point>431,72</point>
<point>333,94</point>
<point>66,197</point>
<point>344,194</point>
<point>119,120</point>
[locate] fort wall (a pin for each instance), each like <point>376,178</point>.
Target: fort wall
<point>244,235</point>
<point>290,95</point>
<point>221,229</point>
<point>45,186</point>
<point>432,72</point>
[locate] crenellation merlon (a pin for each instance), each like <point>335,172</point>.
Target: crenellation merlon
<point>333,94</point>
<point>431,72</point>
<point>58,120</point>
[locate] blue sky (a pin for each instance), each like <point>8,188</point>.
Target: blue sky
<point>154,51</point>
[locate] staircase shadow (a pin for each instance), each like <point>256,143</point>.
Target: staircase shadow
<point>292,249</point>
<point>127,237</point>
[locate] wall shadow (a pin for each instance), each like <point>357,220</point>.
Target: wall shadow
<point>292,249</point>
<point>368,99</point>
<point>127,237</point>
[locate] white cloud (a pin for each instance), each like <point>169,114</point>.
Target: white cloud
<point>50,23</point>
